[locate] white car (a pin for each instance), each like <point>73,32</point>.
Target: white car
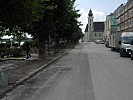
<point>99,42</point>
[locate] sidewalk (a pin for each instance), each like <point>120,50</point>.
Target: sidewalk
<point>19,70</point>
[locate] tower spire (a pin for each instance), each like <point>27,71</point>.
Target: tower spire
<point>90,13</point>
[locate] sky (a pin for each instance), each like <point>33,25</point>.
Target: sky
<point>100,9</point>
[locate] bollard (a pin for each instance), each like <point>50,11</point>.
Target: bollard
<point>3,79</point>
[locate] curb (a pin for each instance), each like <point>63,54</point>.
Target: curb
<point>21,81</point>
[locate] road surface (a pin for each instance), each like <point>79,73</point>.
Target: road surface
<point>88,72</point>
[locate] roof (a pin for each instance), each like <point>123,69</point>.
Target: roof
<point>98,26</point>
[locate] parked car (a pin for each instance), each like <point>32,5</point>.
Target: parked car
<point>99,41</point>
<point>131,43</point>
<point>125,47</point>
<point>102,42</point>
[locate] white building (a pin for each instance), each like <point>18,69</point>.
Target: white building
<point>94,30</point>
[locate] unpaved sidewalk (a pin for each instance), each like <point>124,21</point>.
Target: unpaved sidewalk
<point>18,69</point>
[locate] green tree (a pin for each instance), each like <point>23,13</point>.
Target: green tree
<point>19,12</point>
<point>41,18</point>
<point>2,31</point>
<point>27,14</point>
<point>67,17</point>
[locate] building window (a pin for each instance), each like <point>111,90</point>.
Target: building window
<point>99,34</point>
<point>95,34</point>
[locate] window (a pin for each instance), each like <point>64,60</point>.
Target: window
<point>99,34</point>
<point>95,34</point>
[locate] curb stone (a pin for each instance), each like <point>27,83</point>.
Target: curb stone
<point>33,73</point>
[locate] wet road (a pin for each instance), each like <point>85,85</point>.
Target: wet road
<point>88,72</point>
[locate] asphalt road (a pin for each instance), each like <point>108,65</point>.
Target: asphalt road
<point>88,72</point>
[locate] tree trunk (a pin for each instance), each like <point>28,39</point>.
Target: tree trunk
<point>42,52</point>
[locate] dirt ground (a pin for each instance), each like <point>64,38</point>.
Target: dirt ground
<point>17,69</point>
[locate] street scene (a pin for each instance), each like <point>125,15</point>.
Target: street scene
<point>90,71</point>
<point>66,50</point>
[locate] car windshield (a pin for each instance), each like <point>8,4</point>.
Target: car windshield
<point>127,40</point>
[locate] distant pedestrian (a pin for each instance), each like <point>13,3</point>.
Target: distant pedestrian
<point>27,50</point>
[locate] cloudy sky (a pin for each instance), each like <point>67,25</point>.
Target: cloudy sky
<point>100,9</point>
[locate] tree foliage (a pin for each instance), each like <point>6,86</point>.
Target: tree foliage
<point>19,12</point>
<point>41,18</point>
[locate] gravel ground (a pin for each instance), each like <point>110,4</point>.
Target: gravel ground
<point>23,68</point>
<point>17,69</point>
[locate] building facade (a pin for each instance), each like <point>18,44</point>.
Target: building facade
<point>121,20</point>
<point>94,30</point>
<point>125,17</point>
<point>111,27</point>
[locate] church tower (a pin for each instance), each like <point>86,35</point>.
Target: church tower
<point>94,30</point>
<point>90,26</point>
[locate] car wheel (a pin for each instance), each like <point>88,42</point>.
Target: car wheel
<point>121,55</point>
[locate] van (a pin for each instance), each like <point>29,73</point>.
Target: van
<point>125,46</point>
<point>114,41</point>
<point>131,43</point>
